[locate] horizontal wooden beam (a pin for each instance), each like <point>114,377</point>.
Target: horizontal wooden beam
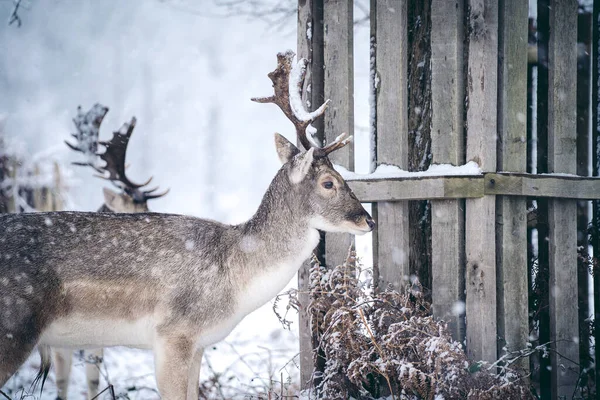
<point>473,186</point>
<point>418,188</point>
<point>566,187</point>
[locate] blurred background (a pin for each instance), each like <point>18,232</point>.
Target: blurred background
<point>186,69</point>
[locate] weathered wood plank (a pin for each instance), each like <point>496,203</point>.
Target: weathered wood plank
<point>595,171</point>
<point>511,212</point>
<point>475,186</point>
<point>54,198</point>
<point>391,238</point>
<point>310,46</point>
<point>339,88</point>
<point>567,187</point>
<point>423,188</point>
<point>12,206</point>
<point>447,104</point>
<point>480,233</point>
<point>584,33</point>
<point>562,214</point>
<point>39,203</point>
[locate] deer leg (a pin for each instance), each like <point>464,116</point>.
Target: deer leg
<point>92,371</point>
<point>16,344</point>
<point>173,357</point>
<point>12,359</point>
<point>194,375</point>
<point>62,368</point>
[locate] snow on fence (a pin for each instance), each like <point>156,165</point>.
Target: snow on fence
<point>479,112</point>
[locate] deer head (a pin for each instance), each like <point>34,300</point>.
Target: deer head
<point>326,196</point>
<point>132,197</point>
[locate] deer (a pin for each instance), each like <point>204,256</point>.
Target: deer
<point>170,283</point>
<point>132,198</point>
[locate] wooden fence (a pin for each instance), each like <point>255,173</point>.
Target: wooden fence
<point>28,189</point>
<point>479,112</point>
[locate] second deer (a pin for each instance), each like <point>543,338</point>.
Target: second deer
<point>132,198</point>
<point>170,283</point>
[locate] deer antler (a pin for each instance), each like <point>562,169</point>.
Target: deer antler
<point>288,79</point>
<point>115,156</point>
<point>88,129</point>
<point>88,126</point>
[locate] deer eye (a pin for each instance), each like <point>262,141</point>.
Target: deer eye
<point>328,185</point>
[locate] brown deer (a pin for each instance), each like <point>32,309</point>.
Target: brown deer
<point>170,283</point>
<point>131,199</point>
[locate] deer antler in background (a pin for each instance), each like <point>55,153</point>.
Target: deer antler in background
<point>88,128</point>
<point>288,79</point>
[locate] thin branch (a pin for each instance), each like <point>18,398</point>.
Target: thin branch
<point>14,16</point>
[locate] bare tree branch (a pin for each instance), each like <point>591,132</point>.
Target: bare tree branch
<point>278,13</point>
<point>14,16</point>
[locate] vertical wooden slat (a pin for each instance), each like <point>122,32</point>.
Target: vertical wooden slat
<point>562,214</point>
<point>389,17</point>
<point>596,172</point>
<point>584,37</point>
<point>57,204</point>
<point>543,272</point>
<point>339,88</point>
<point>12,196</point>
<point>38,201</point>
<point>304,331</point>
<point>447,125</point>
<point>511,234</point>
<point>480,234</point>
<point>310,46</point>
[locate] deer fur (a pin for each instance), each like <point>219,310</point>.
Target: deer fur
<point>117,203</point>
<point>170,283</point>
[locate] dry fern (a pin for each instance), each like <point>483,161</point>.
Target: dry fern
<point>388,344</point>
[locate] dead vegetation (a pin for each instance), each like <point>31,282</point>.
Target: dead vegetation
<point>369,345</point>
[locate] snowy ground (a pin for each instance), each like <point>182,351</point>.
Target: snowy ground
<point>187,75</point>
<point>255,357</point>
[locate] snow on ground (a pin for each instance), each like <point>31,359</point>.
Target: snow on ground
<point>253,358</point>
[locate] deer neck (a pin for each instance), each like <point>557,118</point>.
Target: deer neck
<point>271,246</point>
<point>280,229</point>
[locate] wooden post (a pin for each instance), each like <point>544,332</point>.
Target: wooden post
<point>55,199</point>
<point>14,191</point>
<point>38,199</point>
<point>310,46</point>
<point>562,214</point>
<point>511,212</point>
<point>447,125</point>
<point>391,238</point>
<point>480,234</point>
<point>338,44</point>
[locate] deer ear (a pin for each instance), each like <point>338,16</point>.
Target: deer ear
<point>301,166</point>
<point>110,199</point>
<point>285,149</point>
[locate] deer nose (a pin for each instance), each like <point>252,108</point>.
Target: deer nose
<point>370,222</point>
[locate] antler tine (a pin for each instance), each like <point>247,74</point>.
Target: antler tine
<point>114,156</point>
<point>149,196</point>
<point>338,143</point>
<point>287,81</point>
